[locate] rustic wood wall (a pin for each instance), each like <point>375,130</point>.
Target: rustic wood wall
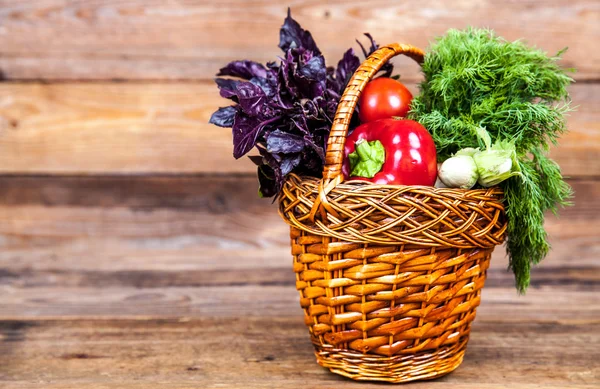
<point>120,203</point>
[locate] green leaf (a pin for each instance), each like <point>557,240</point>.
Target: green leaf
<point>497,163</point>
<point>367,159</point>
<point>484,136</point>
<point>468,151</point>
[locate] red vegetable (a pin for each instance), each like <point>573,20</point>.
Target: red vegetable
<point>383,98</point>
<point>410,155</point>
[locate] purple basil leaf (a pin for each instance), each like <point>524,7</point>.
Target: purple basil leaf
<point>283,102</point>
<point>267,86</point>
<point>317,89</point>
<point>245,132</point>
<point>314,69</point>
<point>243,69</point>
<point>346,68</point>
<point>252,99</point>
<point>269,174</point>
<point>318,149</point>
<point>310,109</point>
<point>223,117</point>
<point>374,46</point>
<point>268,181</point>
<point>292,36</point>
<point>289,163</point>
<point>304,75</point>
<point>332,104</point>
<point>286,72</point>
<point>281,142</point>
<point>388,67</point>
<point>227,88</point>
<point>301,124</point>
<point>311,163</point>
<point>256,159</point>
<point>285,109</point>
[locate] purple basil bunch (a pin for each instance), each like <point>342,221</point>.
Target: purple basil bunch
<point>285,109</point>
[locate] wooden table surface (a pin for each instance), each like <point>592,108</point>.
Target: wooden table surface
<point>134,251</point>
<point>187,282</point>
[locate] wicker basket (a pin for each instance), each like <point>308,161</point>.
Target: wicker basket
<point>389,276</point>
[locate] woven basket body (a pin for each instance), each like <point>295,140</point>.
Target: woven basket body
<point>389,276</point>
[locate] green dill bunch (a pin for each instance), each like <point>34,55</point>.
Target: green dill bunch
<point>475,80</point>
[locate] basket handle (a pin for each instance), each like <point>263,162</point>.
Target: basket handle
<point>339,130</point>
<point>334,157</point>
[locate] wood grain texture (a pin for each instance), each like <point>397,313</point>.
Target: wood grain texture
<point>188,352</point>
<point>169,246</point>
<point>113,128</point>
<point>141,39</point>
<point>125,128</point>
<point>117,271</point>
<point>170,281</point>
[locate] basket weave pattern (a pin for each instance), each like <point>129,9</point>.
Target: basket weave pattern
<point>389,276</point>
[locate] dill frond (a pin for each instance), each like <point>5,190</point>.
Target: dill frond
<point>475,79</point>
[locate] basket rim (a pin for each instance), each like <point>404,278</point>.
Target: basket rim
<point>362,212</point>
<point>491,191</point>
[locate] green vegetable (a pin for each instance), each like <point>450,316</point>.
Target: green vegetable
<point>475,80</point>
<point>469,151</point>
<point>496,163</point>
<point>367,159</point>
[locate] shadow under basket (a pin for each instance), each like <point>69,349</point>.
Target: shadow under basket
<point>389,276</point>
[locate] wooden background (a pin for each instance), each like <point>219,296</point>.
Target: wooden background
<point>133,248</point>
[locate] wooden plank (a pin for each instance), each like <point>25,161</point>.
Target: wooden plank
<point>175,220</point>
<point>565,266</point>
<point>176,384</point>
<point>113,128</point>
<point>139,281</point>
<point>141,39</point>
<point>178,245</point>
<point>270,351</point>
<point>546,304</point>
<point>123,128</point>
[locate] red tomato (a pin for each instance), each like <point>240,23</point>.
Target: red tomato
<point>410,155</point>
<point>383,98</point>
